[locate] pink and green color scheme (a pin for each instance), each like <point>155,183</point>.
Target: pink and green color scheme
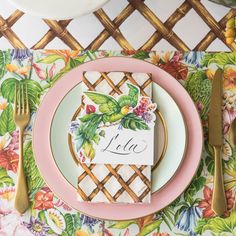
<point>190,214</point>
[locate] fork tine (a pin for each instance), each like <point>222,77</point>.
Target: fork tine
<point>27,100</point>
<point>22,99</point>
<point>15,100</point>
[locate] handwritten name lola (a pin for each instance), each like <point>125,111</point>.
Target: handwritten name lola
<point>117,145</point>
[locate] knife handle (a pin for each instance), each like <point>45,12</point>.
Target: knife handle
<point>219,205</point>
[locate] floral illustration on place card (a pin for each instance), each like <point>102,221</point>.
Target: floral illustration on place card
<point>112,127</point>
<point>116,127</point>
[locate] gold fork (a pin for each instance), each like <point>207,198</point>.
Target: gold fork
<point>21,117</point>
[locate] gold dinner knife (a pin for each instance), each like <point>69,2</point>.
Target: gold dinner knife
<point>219,205</point>
<point>233,130</point>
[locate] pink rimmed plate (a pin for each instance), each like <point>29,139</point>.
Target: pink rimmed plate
<point>168,192</point>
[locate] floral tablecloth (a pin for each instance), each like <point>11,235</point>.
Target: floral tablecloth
<point>190,214</point>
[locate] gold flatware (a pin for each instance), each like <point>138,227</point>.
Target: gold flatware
<point>219,205</point>
<point>233,130</point>
<point>21,117</point>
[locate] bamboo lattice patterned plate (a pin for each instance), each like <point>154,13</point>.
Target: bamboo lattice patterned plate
<point>57,182</point>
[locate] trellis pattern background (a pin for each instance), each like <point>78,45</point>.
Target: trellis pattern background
<point>123,24</point>
<point>138,171</point>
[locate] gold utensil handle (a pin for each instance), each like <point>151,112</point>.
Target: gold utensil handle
<point>233,130</point>
<point>21,203</point>
<point>219,205</point>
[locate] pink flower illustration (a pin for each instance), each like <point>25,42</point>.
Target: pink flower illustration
<point>60,203</point>
<point>9,160</point>
<point>41,73</point>
<point>43,199</point>
<point>21,230</point>
<point>44,75</point>
<point>52,70</point>
<point>10,220</point>
<point>10,225</point>
<point>228,117</point>
<point>126,233</point>
<point>6,200</point>
<point>205,204</point>
<point>14,144</point>
<point>90,109</point>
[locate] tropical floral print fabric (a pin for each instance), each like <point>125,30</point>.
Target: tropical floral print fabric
<point>189,214</point>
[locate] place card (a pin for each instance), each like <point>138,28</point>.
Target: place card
<point>119,129</point>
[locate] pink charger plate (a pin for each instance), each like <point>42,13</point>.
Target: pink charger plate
<point>160,199</point>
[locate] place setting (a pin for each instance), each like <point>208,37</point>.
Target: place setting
<point>116,142</point>
<point>56,124</point>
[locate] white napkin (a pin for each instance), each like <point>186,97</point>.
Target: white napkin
<point>106,188</point>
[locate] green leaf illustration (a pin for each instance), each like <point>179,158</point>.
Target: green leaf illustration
<point>220,225</point>
<point>87,117</point>
<point>222,59</point>
<point>200,168</point>
<point>89,150</point>
<point>198,183</point>
<point>227,150</point>
<point>5,58</point>
<point>72,223</point>
<point>209,161</point>
<point>34,179</point>
<point>8,89</point>
<point>41,216</point>
<point>96,138</point>
<point>207,57</point>
<point>49,59</point>
<point>34,90</point>
<point>167,217</point>
<point>131,121</point>
<point>175,203</point>
<point>141,55</point>
<point>150,227</point>
<point>7,123</point>
<point>69,224</point>
<point>199,229</point>
<point>74,62</point>
<point>59,75</point>
<point>68,66</point>
<point>102,133</point>
<point>199,88</point>
<point>179,211</point>
<point>122,224</point>
<point>77,222</point>
<point>5,179</point>
<point>107,104</point>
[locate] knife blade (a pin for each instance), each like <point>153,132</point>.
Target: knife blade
<point>219,205</point>
<point>215,113</point>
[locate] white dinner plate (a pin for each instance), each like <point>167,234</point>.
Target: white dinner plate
<point>58,9</point>
<point>176,133</point>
